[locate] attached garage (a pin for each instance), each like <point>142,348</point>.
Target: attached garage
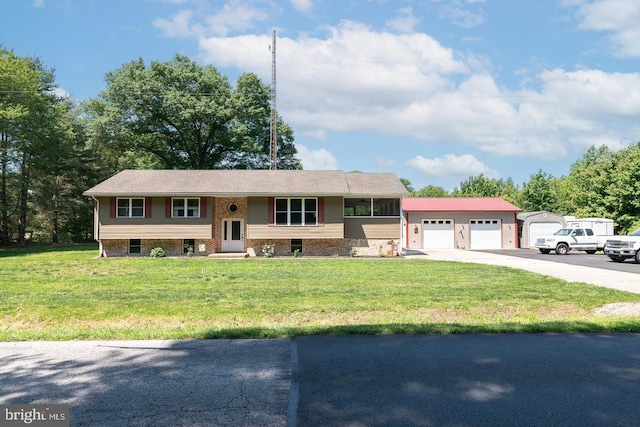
<point>485,234</point>
<point>459,223</point>
<point>438,234</point>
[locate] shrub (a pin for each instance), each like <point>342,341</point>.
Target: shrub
<point>157,253</point>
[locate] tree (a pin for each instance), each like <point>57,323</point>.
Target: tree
<point>588,181</point>
<point>407,184</point>
<point>25,88</point>
<point>479,186</point>
<point>539,193</point>
<point>430,191</point>
<point>180,115</point>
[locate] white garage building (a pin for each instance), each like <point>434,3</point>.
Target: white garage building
<point>460,223</point>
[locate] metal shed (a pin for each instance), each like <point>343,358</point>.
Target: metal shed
<point>534,224</point>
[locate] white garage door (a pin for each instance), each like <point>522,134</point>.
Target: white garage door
<point>485,234</point>
<point>537,229</point>
<point>437,234</point>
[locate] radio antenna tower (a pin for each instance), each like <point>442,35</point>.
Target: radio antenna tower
<point>273,135</point>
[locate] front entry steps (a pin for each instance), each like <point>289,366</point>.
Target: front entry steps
<point>229,255</point>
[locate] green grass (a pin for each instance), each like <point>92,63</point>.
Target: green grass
<point>62,293</point>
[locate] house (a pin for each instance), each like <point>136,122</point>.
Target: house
<point>460,223</point>
<point>208,211</point>
<point>532,225</point>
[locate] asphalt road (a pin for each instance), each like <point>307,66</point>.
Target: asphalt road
<point>161,383</point>
<point>469,380</point>
<point>597,260</point>
<point>391,380</point>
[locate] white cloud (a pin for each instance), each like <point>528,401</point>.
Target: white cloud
<point>459,13</point>
<point>234,16</point>
<point>320,159</point>
<point>302,6</point>
<point>404,23</point>
<point>410,86</point>
<point>39,4</point>
<point>619,18</point>
<point>451,166</point>
<point>179,25</point>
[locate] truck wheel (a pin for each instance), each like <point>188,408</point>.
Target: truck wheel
<point>637,257</point>
<point>562,249</point>
<point>545,251</point>
<point>590,252</point>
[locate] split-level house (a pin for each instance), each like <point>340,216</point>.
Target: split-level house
<point>202,212</point>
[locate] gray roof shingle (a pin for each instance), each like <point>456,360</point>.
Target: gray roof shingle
<point>247,182</point>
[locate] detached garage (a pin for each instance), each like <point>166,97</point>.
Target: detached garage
<point>532,225</point>
<point>460,223</point>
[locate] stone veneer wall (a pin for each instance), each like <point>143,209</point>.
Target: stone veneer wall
<point>172,247</point>
<point>330,247</point>
<point>221,211</point>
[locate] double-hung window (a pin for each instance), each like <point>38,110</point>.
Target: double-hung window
<point>130,208</point>
<point>296,211</point>
<point>185,208</point>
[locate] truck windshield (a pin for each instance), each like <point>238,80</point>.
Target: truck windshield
<point>563,232</point>
<point>635,233</point>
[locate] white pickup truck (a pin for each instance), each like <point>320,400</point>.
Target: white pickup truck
<point>619,248</point>
<point>567,239</point>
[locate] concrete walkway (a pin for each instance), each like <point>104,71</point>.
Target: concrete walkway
<point>595,276</point>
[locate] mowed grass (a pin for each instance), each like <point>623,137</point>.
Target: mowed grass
<point>67,293</point>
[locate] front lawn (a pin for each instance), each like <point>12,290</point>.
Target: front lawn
<point>68,293</point>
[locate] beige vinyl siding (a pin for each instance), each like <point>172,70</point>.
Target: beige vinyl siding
<point>164,231</point>
<point>156,227</point>
<point>371,228</point>
<point>258,222</point>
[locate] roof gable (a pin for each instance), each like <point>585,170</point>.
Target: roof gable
<point>458,204</point>
<point>247,182</point>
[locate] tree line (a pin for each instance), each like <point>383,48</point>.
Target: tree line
<point>181,115</point>
<point>604,183</point>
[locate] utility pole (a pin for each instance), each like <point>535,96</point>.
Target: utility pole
<point>273,135</point>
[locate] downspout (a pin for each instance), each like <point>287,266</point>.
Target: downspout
<point>96,225</point>
<point>515,231</point>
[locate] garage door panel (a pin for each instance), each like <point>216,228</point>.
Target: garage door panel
<point>485,234</point>
<point>537,229</point>
<point>437,234</point>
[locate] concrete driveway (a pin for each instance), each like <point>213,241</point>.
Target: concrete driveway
<point>623,281</point>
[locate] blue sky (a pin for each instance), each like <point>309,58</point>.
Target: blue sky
<point>432,90</point>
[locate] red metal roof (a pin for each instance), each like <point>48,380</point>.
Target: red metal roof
<point>457,204</point>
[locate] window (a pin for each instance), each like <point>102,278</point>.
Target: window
<point>135,246</point>
<point>296,246</point>
<point>188,246</point>
<point>371,207</point>
<point>296,211</point>
<point>357,207</point>
<point>386,207</point>
<point>185,208</point>
<point>128,208</point>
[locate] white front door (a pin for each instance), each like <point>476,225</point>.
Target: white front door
<point>232,235</point>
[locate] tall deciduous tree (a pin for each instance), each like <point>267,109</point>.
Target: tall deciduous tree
<point>24,92</point>
<point>539,193</point>
<point>180,115</point>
